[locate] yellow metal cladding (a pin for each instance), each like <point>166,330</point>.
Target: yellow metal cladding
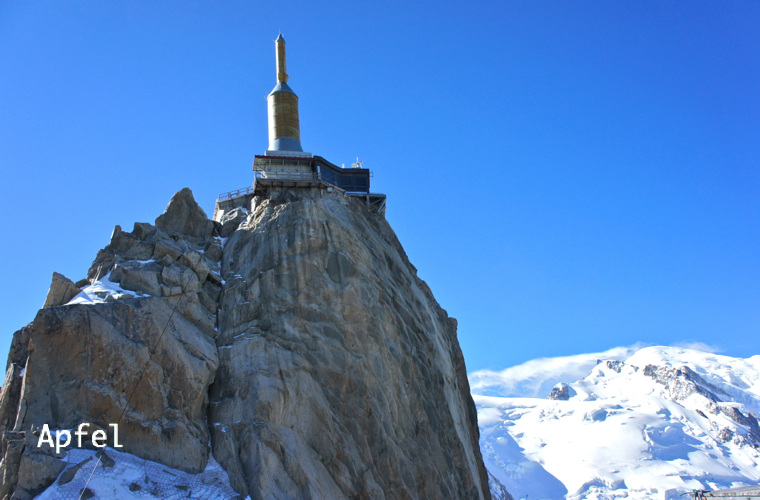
<point>283,116</point>
<point>282,73</point>
<point>284,126</point>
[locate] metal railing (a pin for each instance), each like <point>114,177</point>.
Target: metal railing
<point>286,176</point>
<point>234,194</point>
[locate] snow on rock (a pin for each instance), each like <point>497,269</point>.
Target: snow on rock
<point>133,477</point>
<point>657,423</point>
<point>560,392</point>
<point>100,291</point>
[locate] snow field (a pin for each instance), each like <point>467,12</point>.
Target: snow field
<point>154,480</point>
<point>622,435</point>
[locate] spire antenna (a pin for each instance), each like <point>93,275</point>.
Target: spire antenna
<point>282,73</point>
<point>284,127</point>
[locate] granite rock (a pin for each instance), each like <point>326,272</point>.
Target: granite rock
<point>340,375</point>
<point>61,291</point>
<point>90,363</point>
<point>231,220</point>
<point>184,216</point>
<point>306,350</point>
<point>12,451</point>
<point>138,277</point>
<point>37,471</point>
<point>163,248</point>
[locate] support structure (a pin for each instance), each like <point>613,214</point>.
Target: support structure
<point>285,164</point>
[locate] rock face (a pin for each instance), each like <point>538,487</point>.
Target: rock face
<point>560,392</point>
<point>128,357</point>
<point>306,348</point>
<point>682,382</point>
<point>184,216</point>
<point>340,376</point>
<point>88,361</point>
<point>61,291</point>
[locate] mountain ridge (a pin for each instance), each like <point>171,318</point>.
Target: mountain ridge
<point>290,343</point>
<point>656,423</point>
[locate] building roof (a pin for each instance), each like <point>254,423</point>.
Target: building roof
<point>281,87</point>
<point>735,493</point>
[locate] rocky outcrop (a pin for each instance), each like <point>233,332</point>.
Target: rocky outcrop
<point>231,220</point>
<point>119,353</point>
<point>183,216</point>
<point>37,471</point>
<point>560,392</point>
<point>340,376</point>
<point>178,265</point>
<point>682,382</point>
<point>615,365</point>
<point>62,290</point>
<point>306,351</point>
<point>129,362</point>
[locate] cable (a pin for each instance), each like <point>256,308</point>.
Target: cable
<point>88,479</point>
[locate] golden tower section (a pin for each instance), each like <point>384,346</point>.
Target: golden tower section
<point>284,126</point>
<point>283,116</point>
<point>282,73</point>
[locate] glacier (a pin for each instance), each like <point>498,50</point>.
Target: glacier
<point>644,423</point>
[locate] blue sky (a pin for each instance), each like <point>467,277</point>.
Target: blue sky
<point>566,176</point>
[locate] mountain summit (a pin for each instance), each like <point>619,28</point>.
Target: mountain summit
<point>655,423</point>
<point>299,356</point>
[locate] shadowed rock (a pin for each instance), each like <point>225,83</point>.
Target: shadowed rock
<point>37,471</point>
<point>87,360</point>
<point>231,220</point>
<point>560,392</point>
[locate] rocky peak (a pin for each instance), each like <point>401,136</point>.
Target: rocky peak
<point>614,365</point>
<point>184,216</point>
<point>348,354</point>
<point>560,392</point>
<point>62,290</point>
<point>303,347</point>
<point>682,382</point>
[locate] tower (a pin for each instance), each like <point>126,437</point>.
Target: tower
<point>282,104</point>
<point>285,165</point>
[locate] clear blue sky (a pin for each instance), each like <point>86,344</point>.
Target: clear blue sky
<point>566,176</point>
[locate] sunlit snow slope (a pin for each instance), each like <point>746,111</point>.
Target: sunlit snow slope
<point>651,422</point>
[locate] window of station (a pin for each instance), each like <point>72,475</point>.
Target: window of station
<point>348,181</point>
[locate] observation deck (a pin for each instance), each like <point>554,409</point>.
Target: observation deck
<point>291,171</point>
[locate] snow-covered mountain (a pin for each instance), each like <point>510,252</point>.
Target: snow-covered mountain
<point>652,422</point>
